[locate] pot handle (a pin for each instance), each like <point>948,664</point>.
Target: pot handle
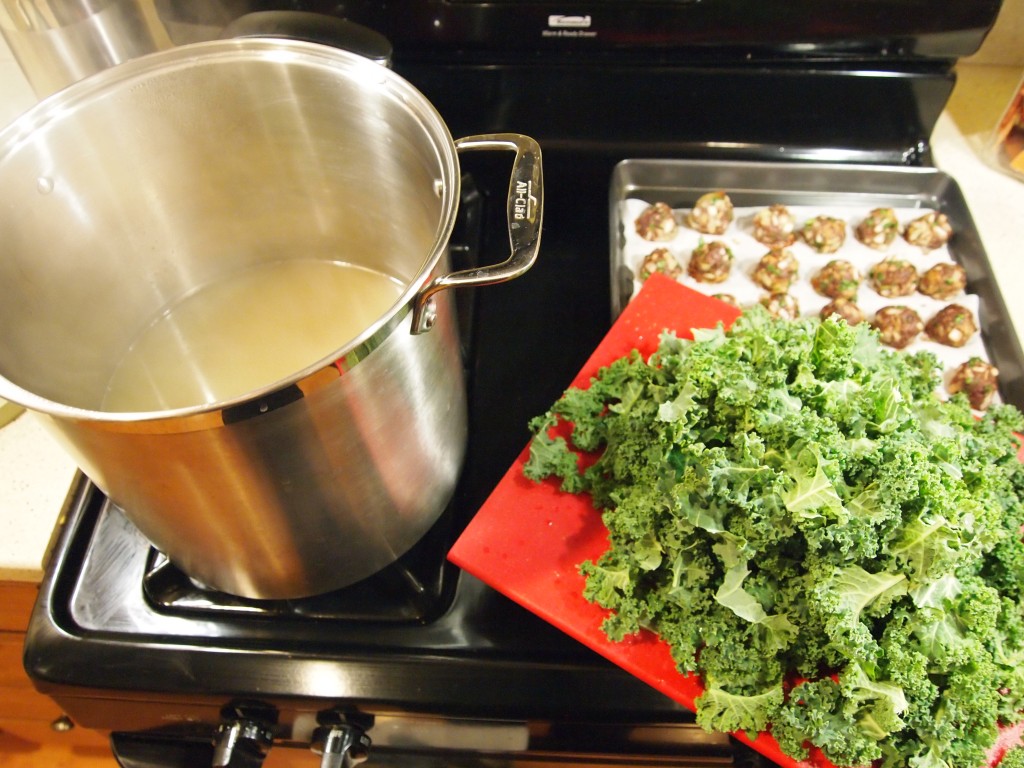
<point>525,213</point>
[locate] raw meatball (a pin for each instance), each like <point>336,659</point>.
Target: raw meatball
<point>894,277</point>
<point>711,214</point>
<point>660,260</point>
<point>776,270</point>
<point>837,279</point>
<point>952,325</point>
<point>774,226</point>
<point>656,222</point>
<point>844,308</point>
<point>879,229</point>
<point>897,326</point>
<point>931,231</point>
<point>976,379</point>
<point>710,262</point>
<point>943,281</point>
<point>728,298</point>
<point>781,305</point>
<point>825,234</point>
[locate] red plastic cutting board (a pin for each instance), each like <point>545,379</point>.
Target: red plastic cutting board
<point>528,538</point>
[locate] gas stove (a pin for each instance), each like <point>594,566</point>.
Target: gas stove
<point>421,664</point>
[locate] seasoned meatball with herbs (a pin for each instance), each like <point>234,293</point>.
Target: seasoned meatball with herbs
<point>837,279</point>
<point>656,222</point>
<point>781,305</point>
<point>894,277</point>
<point>824,234</point>
<point>776,270</point>
<point>775,226</point>
<point>844,308</point>
<point>929,232</point>
<point>978,380</point>
<point>711,214</point>
<point>943,281</point>
<point>710,262</point>
<point>660,260</point>
<point>897,326</point>
<point>878,229</point>
<point>952,325</point>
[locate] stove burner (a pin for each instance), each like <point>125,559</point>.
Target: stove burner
<point>415,589</point>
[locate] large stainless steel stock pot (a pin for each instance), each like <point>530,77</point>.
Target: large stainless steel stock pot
<point>130,192</point>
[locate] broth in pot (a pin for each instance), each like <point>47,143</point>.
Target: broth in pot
<point>247,331</point>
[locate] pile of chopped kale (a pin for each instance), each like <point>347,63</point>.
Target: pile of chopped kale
<point>831,548</point>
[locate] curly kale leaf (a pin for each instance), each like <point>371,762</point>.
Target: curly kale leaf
<point>719,710</point>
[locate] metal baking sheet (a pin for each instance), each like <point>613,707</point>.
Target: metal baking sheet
<point>818,185</point>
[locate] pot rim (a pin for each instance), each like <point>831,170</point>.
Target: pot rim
<point>64,103</point>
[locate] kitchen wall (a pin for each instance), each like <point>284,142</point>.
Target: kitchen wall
<point>1005,43</point>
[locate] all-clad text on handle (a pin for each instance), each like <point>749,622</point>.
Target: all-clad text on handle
<point>525,216</point>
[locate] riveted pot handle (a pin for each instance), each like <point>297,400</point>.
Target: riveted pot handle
<point>525,213</point>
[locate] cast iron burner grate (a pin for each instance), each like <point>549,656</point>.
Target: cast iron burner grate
<point>416,588</point>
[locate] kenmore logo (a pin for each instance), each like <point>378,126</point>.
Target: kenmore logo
<point>560,21</point>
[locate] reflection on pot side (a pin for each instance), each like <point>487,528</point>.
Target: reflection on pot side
<point>247,331</point>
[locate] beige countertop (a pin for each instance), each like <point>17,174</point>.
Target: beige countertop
<point>35,473</point>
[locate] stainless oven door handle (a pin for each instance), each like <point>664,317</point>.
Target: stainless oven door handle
<point>525,211</point>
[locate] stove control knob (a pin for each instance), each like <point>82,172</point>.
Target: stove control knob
<point>241,744</point>
<point>341,745</point>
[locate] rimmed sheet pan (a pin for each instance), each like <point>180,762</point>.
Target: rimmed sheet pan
<point>824,187</point>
